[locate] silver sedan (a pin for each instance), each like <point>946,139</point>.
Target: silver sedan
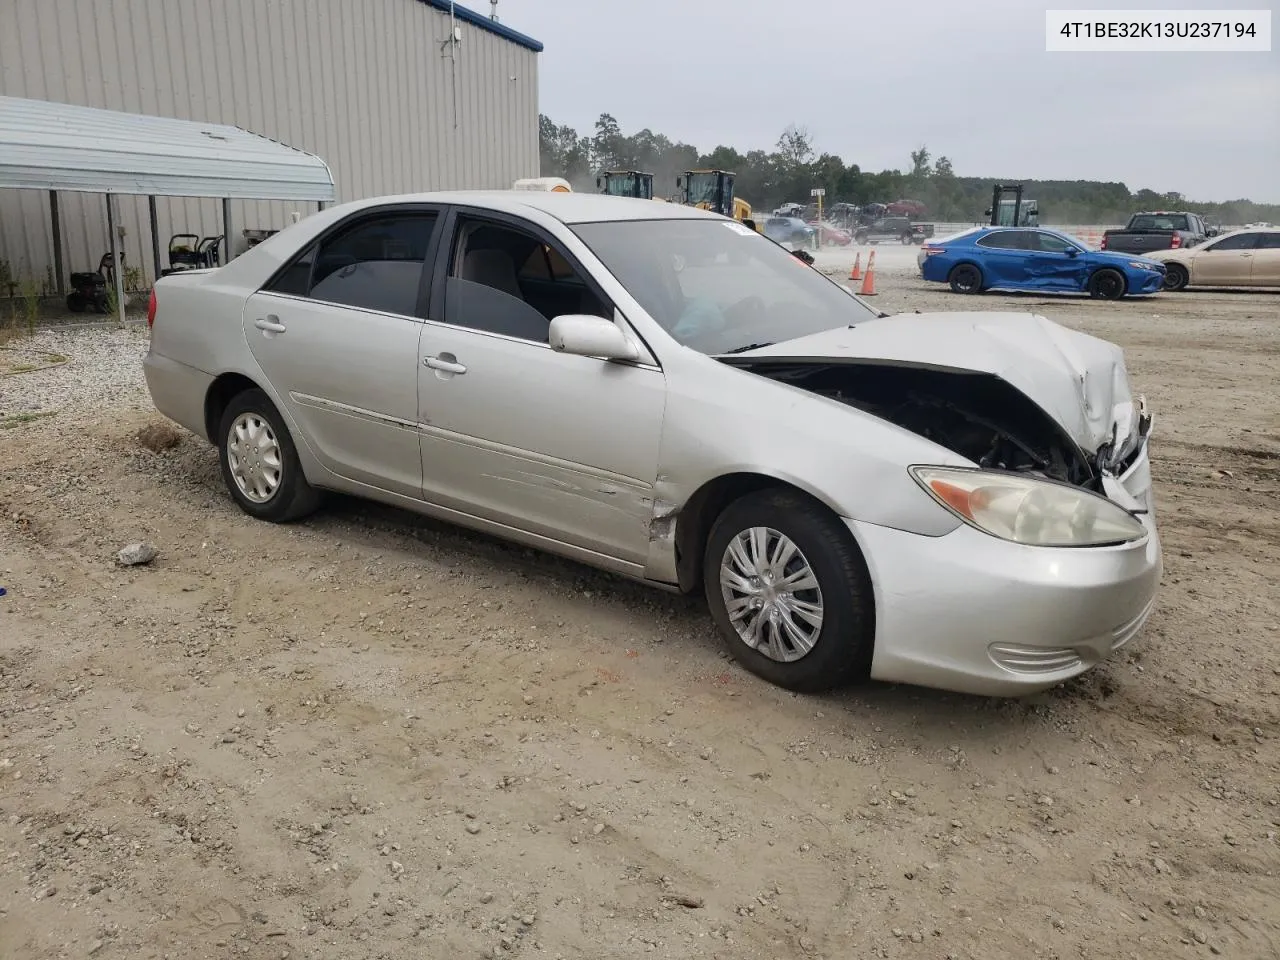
<point>957,500</point>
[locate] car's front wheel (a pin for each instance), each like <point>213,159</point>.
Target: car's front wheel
<point>790,592</point>
<point>1176,277</point>
<point>965,278</point>
<point>260,463</point>
<point>1107,284</point>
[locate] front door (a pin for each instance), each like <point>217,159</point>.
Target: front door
<point>336,334</point>
<point>562,446</point>
<point>1266,260</point>
<point>1224,263</point>
<point>1051,264</point>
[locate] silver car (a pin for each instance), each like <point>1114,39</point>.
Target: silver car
<point>957,500</point>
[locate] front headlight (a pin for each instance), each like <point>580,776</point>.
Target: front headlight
<point>1030,511</point>
<point>1141,265</point>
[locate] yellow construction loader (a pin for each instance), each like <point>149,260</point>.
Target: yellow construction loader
<point>713,190</point>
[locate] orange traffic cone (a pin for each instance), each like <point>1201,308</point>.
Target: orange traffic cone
<point>856,272</point>
<point>869,281</point>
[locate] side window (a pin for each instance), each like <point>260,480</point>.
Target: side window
<point>1241,241</point>
<point>376,264</point>
<point>1048,243</point>
<point>508,281</point>
<point>1002,240</point>
<point>1268,241</point>
<point>296,278</point>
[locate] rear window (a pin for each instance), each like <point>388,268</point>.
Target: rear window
<point>1155,221</point>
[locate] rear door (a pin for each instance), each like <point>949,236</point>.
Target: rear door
<point>1226,262</point>
<point>1004,259</point>
<point>336,333</point>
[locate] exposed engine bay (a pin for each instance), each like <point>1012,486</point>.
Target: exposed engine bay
<point>977,415</point>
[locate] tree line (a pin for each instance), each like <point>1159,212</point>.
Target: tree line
<point>767,179</point>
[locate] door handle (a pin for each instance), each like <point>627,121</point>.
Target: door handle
<point>447,366</point>
<point>270,324</point>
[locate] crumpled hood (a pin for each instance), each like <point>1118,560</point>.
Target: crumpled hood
<point>1079,380</point>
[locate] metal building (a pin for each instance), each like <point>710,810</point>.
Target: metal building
<point>395,95</point>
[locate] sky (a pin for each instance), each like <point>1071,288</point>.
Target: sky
<point>872,80</point>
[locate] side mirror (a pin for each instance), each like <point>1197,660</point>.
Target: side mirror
<point>586,336</point>
<point>1073,252</point>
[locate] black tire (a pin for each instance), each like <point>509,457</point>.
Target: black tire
<point>76,303</point>
<point>1176,277</point>
<point>293,497</point>
<point>965,278</point>
<point>860,238</point>
<point>1107,284</point>
<point>906,239</point>
<point>841,651</point>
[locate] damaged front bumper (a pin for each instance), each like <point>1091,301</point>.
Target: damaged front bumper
<point>976,614</point>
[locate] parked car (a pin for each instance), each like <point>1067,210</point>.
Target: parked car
<point>953,500</point>
<point>1035,258</point>
<point>893,228</point>
<point>1146,232</point>
<point>789,230</point>
<point>1242,258</point>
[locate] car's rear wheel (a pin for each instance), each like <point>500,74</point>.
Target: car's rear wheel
<point>861,238</point>
<point>790,592</point>
<point>905,238</point>
<point>1107,284</point>
<point>965,278</point>
<point>1176,277</point>
<point>260,463</point>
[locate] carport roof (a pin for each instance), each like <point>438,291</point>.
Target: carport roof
<point>46,145</point>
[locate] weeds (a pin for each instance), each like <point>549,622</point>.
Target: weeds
<point>158,437</point>
<point>18,419</point>
<point>30,305</point>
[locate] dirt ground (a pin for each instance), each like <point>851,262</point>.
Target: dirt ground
<point>375,736</point>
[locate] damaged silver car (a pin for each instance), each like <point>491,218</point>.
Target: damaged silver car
<point>958,500</point>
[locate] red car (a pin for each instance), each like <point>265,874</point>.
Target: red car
<point>906,208</point>
<point>830,234</point>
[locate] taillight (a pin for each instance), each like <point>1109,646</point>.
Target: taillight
<point>151,309</point>
<point>1176,242</point>
<point>1103,245</point>
<point>931,251</point>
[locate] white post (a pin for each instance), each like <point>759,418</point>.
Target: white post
<point>117,273</point>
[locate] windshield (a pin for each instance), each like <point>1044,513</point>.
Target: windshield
<point>703,188</point>
<point>717,286</point>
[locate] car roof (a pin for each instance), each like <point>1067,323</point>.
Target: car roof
<point>566,207</point>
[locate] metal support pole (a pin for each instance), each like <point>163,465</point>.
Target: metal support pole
<point>319,206</point>
<point>117,272</point>
<point>226,229</point>
<point>58,278</point>
<point>155,237</point>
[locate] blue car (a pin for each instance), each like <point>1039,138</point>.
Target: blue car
<point>1034,258</point>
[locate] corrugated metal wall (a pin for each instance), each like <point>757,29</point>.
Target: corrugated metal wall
<point>365,84</point>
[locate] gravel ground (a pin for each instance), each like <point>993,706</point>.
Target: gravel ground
<point>371,735</point>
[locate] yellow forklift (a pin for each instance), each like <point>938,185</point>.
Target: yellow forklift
<point>713,190</point>
<point>626,183</point>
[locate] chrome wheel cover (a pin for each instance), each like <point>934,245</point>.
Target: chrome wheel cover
<point>771,594</point>
<point>253,454</point>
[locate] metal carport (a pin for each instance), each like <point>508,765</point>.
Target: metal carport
<point>52,146</point>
